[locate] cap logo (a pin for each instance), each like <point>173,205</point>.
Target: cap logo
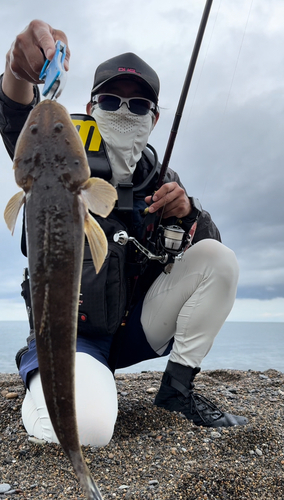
<point>128,70</point>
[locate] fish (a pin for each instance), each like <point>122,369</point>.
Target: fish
<point>51,167</point>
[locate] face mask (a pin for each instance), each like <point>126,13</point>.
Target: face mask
<point>125,135</point>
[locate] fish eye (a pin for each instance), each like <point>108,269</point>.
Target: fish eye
<point>34,129</point>
<point>58,127</point>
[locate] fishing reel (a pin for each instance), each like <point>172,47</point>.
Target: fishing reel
<point>164,244</point>
<point>171,240</point>
<point>169,245</point>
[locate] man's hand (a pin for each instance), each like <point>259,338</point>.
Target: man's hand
<point>171,200</point>
<point>26,57</point>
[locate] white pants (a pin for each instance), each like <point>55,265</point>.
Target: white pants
<point>191,304</point>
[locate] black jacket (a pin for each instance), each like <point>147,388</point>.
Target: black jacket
<point>104,309</point>
<point>12,118</point>
<point>114,290</point>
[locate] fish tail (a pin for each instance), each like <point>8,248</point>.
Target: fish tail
<point>90,487</point>
<point>87,482</point>
<point>93,491</point>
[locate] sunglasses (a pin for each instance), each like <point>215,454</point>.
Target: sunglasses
<point>136,105</point>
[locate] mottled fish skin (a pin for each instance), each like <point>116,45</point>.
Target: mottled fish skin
<point>51,166</point>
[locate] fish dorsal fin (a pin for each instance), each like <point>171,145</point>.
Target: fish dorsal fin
<point>97,241</point>
<point>12,209</point>
<point>99,196</point>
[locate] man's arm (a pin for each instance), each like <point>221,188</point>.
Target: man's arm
<point>13,116</point>
<point>174,202</point>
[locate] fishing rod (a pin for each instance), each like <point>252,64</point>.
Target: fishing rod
<point>184,93</point>
<point>170,242</point>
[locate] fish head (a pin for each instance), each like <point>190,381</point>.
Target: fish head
<point>50,144</point>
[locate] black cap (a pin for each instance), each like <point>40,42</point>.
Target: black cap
<point>131,65</point>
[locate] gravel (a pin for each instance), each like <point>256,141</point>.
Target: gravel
<point>155,454</point>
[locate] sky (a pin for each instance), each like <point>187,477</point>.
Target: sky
<point>229,148</point>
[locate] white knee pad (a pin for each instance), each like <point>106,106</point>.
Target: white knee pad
<point>96,404</point>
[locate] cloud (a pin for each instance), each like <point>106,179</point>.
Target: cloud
<point>258,310</point>
<point>12,310</point>
<point>229,148</point>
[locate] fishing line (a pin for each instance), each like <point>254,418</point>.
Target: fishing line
<point>202,67</point>
<point>222,117</point>
<point>237,61</point>
<point>223,114</point>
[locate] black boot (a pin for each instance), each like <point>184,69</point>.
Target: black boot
<point>176,394</point>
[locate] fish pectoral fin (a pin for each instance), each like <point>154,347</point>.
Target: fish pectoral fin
<point>99,196</point>
<point>12,209</point>
<point>97,241</point>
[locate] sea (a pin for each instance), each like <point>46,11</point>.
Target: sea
<point>238,346</point>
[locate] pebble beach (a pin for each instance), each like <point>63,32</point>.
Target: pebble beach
<point>155,454</point>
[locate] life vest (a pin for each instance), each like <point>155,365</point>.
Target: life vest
<point>105,296</point>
